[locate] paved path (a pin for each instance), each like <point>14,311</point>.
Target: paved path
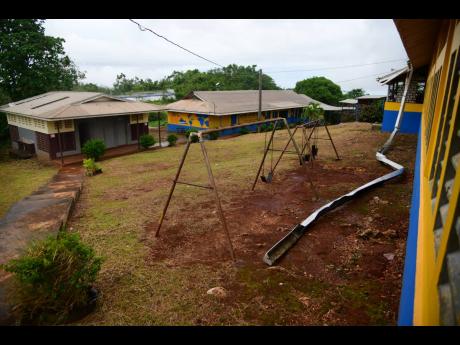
<point>35,217</point>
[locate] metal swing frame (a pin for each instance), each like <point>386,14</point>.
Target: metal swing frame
<point>315,125</point>
<point>212,184</point>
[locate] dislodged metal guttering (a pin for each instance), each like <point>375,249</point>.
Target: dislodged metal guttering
<point>283,245</point>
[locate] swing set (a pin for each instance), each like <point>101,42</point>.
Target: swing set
<point>265,178</point>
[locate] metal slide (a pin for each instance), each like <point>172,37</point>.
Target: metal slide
<point>283,245</point>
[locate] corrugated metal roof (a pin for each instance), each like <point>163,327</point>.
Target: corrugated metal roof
<point>385,79</point>
<point>371,97</point>
<point>75,104</point>
<point>242,101</point>
<point>349,101</point>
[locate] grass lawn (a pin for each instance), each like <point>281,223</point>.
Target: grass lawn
<point>20,178</point>
<point>158,281</point>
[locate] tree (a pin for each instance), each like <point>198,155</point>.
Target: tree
<point>320,89</point>
<point>31,62</point>
<point>354,93</point>
<point>232,77</point>
<point>91,87</point>
<point>313,112</point>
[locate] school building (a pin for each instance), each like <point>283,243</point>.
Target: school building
<point>216,109</point>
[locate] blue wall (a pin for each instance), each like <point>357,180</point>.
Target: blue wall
<point>406,303</point>
<point>410,123</point>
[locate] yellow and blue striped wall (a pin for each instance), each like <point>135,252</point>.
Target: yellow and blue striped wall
<point>431,282</point>
<point>411,119</point>
<point>180,122</point>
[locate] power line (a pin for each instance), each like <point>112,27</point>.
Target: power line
<point>337,67</point>
<point>366,76</point>
<point>143,28</point>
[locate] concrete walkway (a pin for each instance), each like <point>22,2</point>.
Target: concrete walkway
<point>35,217</point>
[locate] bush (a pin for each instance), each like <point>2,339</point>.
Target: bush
<point>194,139</point>
<point>172,139</point>
<point>188,131</point>
<point>94,148</point>
<point>53,278</point>
<point>214,135</point>
<point>371,113</point>
<point>91,167</point>
<point>264,128</point>
<point>244,130</point>
<point>146,140</point>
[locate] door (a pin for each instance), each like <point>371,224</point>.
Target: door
<point>83,130</point>
<point>234,120</point>
<point>121,128</point>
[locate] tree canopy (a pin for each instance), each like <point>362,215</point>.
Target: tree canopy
<point>31,62</point>
<point>354,93</point>
<point>232,77</point>
<point>320,89</point>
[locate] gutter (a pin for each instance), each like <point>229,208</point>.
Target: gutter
<point>282,246</point>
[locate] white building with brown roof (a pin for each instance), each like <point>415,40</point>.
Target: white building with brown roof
<point>62,121</point>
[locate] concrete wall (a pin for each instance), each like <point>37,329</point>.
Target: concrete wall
<point>411,118</point>
<point>180,122</point>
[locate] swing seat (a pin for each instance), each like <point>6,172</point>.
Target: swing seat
<point>268,178</point>
<point>314,151</point>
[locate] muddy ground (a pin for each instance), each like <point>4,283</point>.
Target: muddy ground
<point>346,270</point>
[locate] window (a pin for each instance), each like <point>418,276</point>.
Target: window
<point>420,92</point>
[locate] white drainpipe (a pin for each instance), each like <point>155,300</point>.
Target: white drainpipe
<point>386,146</point>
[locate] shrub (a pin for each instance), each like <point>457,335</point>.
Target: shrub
<point>372,112</point>
<point>188,131</point>
<point>146,140</point>
<point>244,130</point>
<point>93,148</point>
<point>91,167</point>
<point>214,135</point>
<point>53,278</point>
<point>194,139</point>
<point>172,139</point>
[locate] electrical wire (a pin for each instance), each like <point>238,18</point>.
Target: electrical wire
<point>336,67</point>
<point>144,28</point>
<point>363,77</point>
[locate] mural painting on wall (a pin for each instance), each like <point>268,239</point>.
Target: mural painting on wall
<point>194,120</point>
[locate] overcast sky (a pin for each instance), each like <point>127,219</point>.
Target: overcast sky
<point>105,48</point>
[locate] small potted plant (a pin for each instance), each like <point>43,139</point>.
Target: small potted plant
<point>53,280</point>
<point>91,167</point>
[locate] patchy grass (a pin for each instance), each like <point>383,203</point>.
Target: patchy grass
<point>20,178</point>
<point>115,207</point>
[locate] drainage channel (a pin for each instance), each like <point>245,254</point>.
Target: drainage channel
<point>283,245</point>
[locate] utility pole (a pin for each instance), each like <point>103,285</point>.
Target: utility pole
<point>259,115</point>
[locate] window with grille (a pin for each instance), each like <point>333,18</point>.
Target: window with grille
<point>432,105</point>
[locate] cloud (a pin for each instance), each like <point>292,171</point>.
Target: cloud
<point>105,48</point>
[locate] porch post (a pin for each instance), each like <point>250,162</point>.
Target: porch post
<point>159,134</point>
<point>60,142</point>
<point>137,130</point>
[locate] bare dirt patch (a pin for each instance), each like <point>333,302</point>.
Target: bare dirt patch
<point>344,251</point>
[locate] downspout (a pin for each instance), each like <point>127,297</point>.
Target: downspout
<point>282,246</point>
<point>399,118</point>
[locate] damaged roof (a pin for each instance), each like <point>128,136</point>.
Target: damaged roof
<point>57,105</point>
<point>385,79</point>
<point>242,101</point>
